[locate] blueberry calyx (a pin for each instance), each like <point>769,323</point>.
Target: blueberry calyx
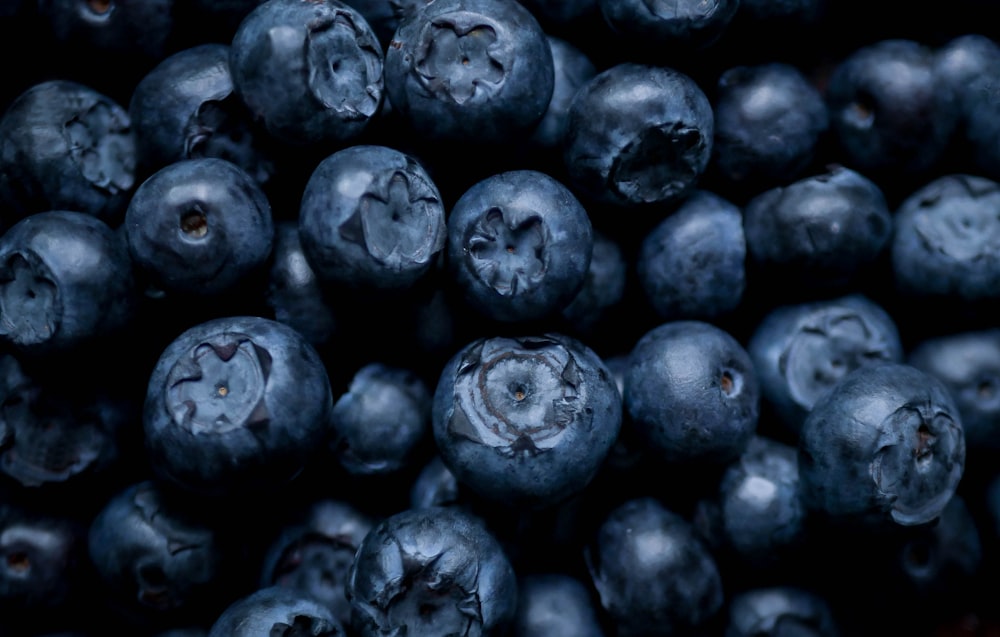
<point>454,60</point>
<point>658,164</point>
<point>508,254</point>
<point>101,147</point>
<point>219,386</point>
<point>389,212</point>
<point>333,44</point>
<point>518,396</point>
<point>30,305</point>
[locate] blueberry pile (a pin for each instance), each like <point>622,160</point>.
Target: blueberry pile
<point>482,318</point>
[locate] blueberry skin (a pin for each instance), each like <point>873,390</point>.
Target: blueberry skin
<point>823,230</point>
<point>434,486</point>
<point>310,71</point>
<point>65,146</point>
<point>123,27</point>
<point>888,109</point>
<point>572,69</point>
<point>692,393</point>
<point>199,226</point>
<point>295,294</point>
<point>554,605</point>
<point>156,555</point>
<point>947,240</point>
<point>692,264</point>
<point>41,555</point>
<point>763,520</point>
<point>186,108</point>
<point>652,572</point>
<point>384,16</point>
<point>780,610</point>
<point>968,363</point>
<point>435,571</point>
<point>685,25</point>
<point>277,612</point>
<point>381,422</point>
<point>978,93</point>
<point>371,218</point>
<point>603,288</point>
<point>801,351</point>
<point>525,421</point>
<point>65,280</point>
<point>236,404</point>
<point>519,246</point>
<point>476,71</point>
<point>885,448</point>
<point>638,134</point>
<point>769,120</point>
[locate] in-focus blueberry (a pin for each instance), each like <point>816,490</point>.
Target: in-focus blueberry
<point>525,421</point>
<point>276,611</point>
<point>884,448</point>
<point>638,134</point>
<point>519,246</point>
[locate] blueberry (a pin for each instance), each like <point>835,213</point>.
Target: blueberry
<point>638,134</point>
<point>780,611</point>
<point>525,421</point>
<point>111,26</point>
<point>884,448</point>
<point>186,108</point>
<point>968,363</point>
<point>277,612</point>
<point>371,218</point>
<point>769,120</point>
<point>821,230</point>
<point>801,351</point>
<point>434,486</point>
<point>236,404</point>
<point>157,555</point>
<point>434,571</point>
<point>692,264</point>
<point>384,16</point>
<point>64,145</point>
<point>380,424</point>
<point>474,70</point>
<point>603,289</point>
<point>310,71</point>
<point>653,573</point>
<point>888,109</point>
<point>946,239</point>
<point>65,280</point>
<point>519,246</point>
<point>692,393</point>
<point>199,227</point>
<point>555,605</point>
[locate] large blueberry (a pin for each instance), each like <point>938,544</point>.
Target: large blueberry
<point>519,245</point>
<point>309,70</point>
<point>692,393</point>
<point>199,226</point>
<point>692,265</point>
<point>653,573</point>
<point>371,218</point>
<point>236,404</point>
<point>64,145</point>
<point>186,108</point>
<point>802,351</point>
<point>65,279</point>
<point>885,447</point>
<point>638,134</point>
<point>947,239</point>
<point>525,421</point>
<point>434,571</point>
<point>470,70</point>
